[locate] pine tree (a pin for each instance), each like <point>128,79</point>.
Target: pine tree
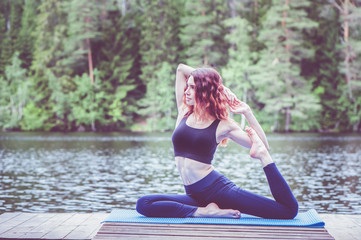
<point>351,65</point>
<point>117,57</point>
<point>83,27</point>
<point>16,12</point>
<point>86,102</point>
<point>285,93</point>
<point>14,94</point>
<point>11,12</point>
<point>322,69</point>
<point>235,73</point>
<point>5,41</point>
<point>159,51</point>
<point>52,77</point>
<point>203,33</point>
<point>26,37</point>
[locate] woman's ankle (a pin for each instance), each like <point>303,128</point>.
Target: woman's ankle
<point>266,159</point>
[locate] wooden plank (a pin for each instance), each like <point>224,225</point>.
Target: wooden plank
<point>342,226</point>
<point>269,237</point>
<point>218,228</point>
<point>26,228</point>
<point>47,227</point>
<point>18,219</point>
<point>211,226</point>
<point>9,229</point>
<point>85,226</point>
<point>50,225</point>
<point>111,237</point>
<point>214,232</point>
<point>174,231</point>
<point>97,221</point>
<point>7,216</point>
<point>88,228</point>
<point>55,229</point>
<point>114,237</point>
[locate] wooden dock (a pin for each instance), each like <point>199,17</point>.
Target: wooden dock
<point>50,225</point>
<point>131,231</point>
<point>88,226</point>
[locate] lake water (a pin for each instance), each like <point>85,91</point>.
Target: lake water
<point>91,172</point>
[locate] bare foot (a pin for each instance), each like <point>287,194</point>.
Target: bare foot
<point>212,210</point>
<point>258,149</point>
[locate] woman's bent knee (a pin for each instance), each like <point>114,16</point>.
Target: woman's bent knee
<point>293,211</point>
<point>142,205</point>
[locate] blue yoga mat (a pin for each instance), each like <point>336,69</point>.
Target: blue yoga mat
<point>305,219</point>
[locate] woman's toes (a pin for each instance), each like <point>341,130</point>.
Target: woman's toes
<point>237,214</point>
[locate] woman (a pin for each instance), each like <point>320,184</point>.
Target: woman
<point>203,124</point>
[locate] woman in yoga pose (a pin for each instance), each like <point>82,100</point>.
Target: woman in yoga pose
<point>202,124</point>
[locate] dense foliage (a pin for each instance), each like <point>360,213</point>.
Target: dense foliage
<point>102,65</point>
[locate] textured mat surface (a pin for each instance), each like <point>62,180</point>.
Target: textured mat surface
<point>305,219</point>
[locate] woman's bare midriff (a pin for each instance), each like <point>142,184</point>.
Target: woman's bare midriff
<point>192,171</point>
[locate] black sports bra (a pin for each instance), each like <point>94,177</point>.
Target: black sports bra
<point>193,143</point>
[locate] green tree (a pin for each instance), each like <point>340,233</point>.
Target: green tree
<point>117,58</point>
<point>14,94</point>
<point>48,67</point>
<point>351,66</point>
<point>203,33</point>
<point>286,94</point>
<point>83,21</point>
<point>235,73</point>
<point>86,102</point>
<point>5,40</point>
<point>10,20</point>
<point>323,68</point>
<point>161,100</point>
<point>35,118</point>
<point>26,38</point>
<point>159,49</point>
<point>16,12</point>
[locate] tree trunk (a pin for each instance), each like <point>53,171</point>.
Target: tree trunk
<point>347,49</point>
<point>275,125</point>
<point>93,126</point>
<point>288,80</point>
<point>90,59</point>
<point>124,7</point>
<point>205,59</point>
<point>285,27</point>
<point>288,119</point>
<point>233,15</point>
<point>356,126</point>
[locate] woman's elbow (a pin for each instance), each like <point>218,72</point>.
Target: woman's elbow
<point>180,66</point>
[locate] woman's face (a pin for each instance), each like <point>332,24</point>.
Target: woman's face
<point>190,92</point>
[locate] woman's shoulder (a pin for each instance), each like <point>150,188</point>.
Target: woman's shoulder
<point>227,125</point>
<point>228,121</point>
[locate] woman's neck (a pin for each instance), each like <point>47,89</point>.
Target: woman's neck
<point>203,116</point>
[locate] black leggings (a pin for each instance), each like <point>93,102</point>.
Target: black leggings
<point>218,189</point>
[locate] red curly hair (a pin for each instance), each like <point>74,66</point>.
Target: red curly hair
<point>209,95</point>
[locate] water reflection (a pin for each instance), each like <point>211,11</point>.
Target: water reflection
<point>87,172</point>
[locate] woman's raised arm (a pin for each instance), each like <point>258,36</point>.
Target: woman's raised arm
<point>183,72</point>
<point>239,107</point>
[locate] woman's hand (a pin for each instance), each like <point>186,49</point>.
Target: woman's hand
<point>231,97</point>
<point>239,107</point>
<point>236,105</point>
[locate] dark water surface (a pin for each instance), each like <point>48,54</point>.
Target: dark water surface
<point>87,172</point>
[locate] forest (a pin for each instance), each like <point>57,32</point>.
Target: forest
<point>109,65</point>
